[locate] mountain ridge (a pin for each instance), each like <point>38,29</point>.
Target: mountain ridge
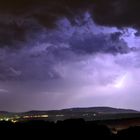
<point>104,110</point>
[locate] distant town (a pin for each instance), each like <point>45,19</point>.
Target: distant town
<point>88,114</point>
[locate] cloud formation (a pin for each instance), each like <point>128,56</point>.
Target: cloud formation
<point>54,56</point>
<point>36,58</point>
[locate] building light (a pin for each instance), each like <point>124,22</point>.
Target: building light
<point>85,114</point>
<point>94,115</point>
<point>35,116</point>
<point>44,116</point>
<point>26,117</point>
<point>13,121</point>
<point>6,119</point>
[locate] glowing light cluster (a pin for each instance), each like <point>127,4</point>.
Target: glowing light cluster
<point>36,116</point>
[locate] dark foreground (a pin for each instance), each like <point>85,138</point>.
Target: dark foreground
<point>68,129</point>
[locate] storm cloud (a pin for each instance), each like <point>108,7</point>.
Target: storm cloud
<point>18,19</point>
<point>68,53</point>
<point>45,49</point>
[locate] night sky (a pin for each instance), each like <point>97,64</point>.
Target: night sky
<point>69,53</point>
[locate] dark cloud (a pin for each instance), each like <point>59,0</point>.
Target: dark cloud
<point>21,65</point>
<point>103,43</point>
<point>46,12</point>
<point>117,13</point>
<point>11,35</point>
<point>41,62</point>
<point>22,20</point>
<point>41,46</point>
<point>137,33</point>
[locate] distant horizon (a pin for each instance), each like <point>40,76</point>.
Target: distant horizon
<point>69,108</point>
